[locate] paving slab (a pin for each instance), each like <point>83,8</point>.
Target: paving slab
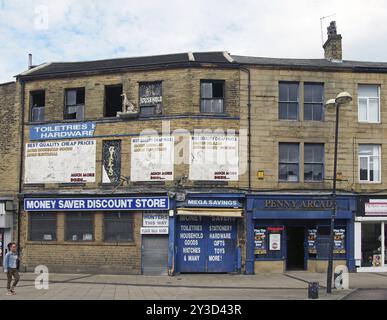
<point>289,286</point>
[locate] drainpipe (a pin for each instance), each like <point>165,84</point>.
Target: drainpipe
<point>249,263</point>
<point>22,98</point>
<point>248,122</point>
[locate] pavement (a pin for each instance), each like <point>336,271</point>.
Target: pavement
<point>288,286</point>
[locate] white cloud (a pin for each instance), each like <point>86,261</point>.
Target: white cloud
<point>96,29</point>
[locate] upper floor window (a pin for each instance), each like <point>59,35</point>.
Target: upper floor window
<point>212,96</point>
<point>288,100</point>
<point>314,162</point>
<point>75,104</point>
<point>151,98</point>
<point>369,163</point>
<point>369,103</point>
<point>314,101</point>
<point>289,162</point>
<point>113,100</point>
<point>38,103</point>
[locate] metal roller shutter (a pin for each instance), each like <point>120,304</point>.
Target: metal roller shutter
<point>155,255</point>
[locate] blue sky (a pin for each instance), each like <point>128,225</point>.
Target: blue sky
<point>70,30</point>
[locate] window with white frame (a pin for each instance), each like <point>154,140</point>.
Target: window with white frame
<point>369,163</point>
<point>369,103</point>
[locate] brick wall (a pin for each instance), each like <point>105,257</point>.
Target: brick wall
<point>181,97</point>
<point>9,139</point>
<point>268,131</point>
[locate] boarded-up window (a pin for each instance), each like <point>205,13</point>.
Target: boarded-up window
<point>118,226</point>
<point>42,226</point>
<point>151,98</point>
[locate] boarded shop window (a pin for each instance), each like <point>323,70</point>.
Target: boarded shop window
<point>111,161</point>
<point>118,226</point>
<point>369,103</point>
<point>113,100</point>
<point>314,162</point>
<point>151,98</point>
<point>42,226</point>
<point>212,96</point>
<point>79,226</point>
<point>75,104</point>
<point>288,100</point>
<point>369,163</point>
<point>314,101</point>
<point>38,103</point>
<point>289,162</point>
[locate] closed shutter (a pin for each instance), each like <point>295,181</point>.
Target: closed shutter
<point>155,255</point>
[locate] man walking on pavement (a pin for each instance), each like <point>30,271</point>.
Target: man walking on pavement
<point>10,267</point>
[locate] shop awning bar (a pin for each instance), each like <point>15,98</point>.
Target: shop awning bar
<point>233,213</point>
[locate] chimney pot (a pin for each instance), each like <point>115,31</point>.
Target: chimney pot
<point>30,61</point>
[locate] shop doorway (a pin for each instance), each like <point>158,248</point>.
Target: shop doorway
<point>295,248</point>
<point>155,255</point>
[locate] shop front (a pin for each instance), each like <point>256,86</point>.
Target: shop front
<point>6,225</point>
<point>292,232</point>
<point>371,234</point>
<point>114,235</point>
<point>208,233</point>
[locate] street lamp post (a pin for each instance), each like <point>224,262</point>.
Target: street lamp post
<point>342,98</point>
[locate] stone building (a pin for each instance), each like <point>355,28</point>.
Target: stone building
<point>10,163</point>
<point>292,159</point>
<point>199,162</point>
<point>83,151</point>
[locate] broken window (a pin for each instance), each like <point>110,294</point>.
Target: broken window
<point>75,104</point>
<point>151,98</point>
<point>212,96</point>
<point>38,103</point>
<point>113,100</point>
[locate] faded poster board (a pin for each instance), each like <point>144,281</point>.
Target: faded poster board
<point>214,158</point>
<point>111,169</point>
<point>152,159</point>
<point>60,162</point>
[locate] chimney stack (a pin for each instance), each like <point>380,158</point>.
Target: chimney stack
<point>29,61</point>
<point>333,50</point>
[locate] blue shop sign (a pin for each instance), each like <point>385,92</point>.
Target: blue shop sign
<point>206,244</point>
<point>213,203</point>
<point>97,204</point>
<point>62,131</point>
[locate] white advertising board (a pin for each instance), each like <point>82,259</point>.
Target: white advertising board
<point>214,158</point>
<point>155,220</point>
<point>152,159</point>
<point>275,242</point>
<point>154,230</point>
<point>60,162</point>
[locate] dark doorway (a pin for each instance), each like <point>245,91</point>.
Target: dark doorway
<point>295,248</point>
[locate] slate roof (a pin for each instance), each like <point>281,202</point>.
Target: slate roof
<point>311,63</point>
<point>58,69</point>
<point>179,59</point>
